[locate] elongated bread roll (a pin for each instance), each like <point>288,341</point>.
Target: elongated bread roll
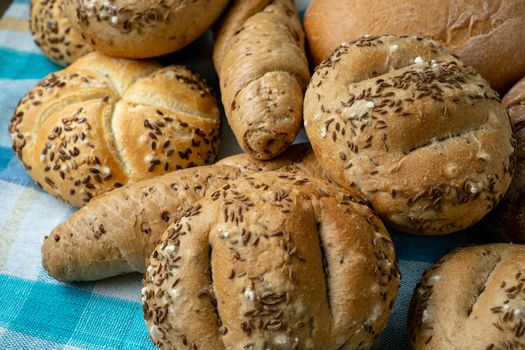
<point>275,260</point>
<point>259,56</point>
<point>116,232</point>
<point>103,122</point>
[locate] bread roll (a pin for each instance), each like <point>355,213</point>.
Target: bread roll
<point>507,221</point>
<point>275,260</point>
<point>474,298</point>
<point>486,34</point>
<point>116,232</point>
<point>104,122</point>
<point>418,133</point>
<point>262,76</point>
<point>142,29</point>
<point>53,33</point>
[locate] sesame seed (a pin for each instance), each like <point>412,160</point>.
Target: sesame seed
<point>418,60</point>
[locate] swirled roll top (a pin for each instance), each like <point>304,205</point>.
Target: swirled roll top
<point>103,122</point>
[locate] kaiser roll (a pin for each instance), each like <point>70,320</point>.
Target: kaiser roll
<point>508,219</point>
<point>474,298</point>
<point>422,136</point>
<point>53,33</point>
<point>273,261</point>
<point>103,122</point>
<point>486,34</point>
<point>142,29</point>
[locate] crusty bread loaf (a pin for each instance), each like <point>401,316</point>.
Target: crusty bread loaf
<point>272,261</point>
<point>507,221</point>
<point>103,122</point>
<point>53,33</point>
<point>262,76</point>
<point>116,232</point>
<point>142,29</point>
<point>485,34</point>
<point>420,134</point>
<point>471,299</point>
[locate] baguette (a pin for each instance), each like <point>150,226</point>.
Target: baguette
<point>116,232</point>
<point>259,56</point>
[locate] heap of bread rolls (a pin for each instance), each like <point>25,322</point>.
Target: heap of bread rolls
<point>284,247</point>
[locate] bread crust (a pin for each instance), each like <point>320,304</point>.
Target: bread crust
<point>274,260</point>
<point>485,34</point>
<point>116,232</point>
<point>103,122</point>
<point>53,33</point>
<point>262,77</point>
<point>418,133</point>
<point>471,299</point>
<point>507,220</point>
<point>142,29</point>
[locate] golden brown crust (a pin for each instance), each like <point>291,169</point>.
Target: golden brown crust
<point>53,33</point>
<point>483,33</point>
<point>418,133</point>
<point>508,219</point>
<point>262,77</point>
<point>274,260</point>
<point>472,299</point>
<point>116,232</point>
<point>103,122</point>
<point>142,29</point>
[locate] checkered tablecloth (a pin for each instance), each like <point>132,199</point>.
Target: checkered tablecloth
<point>37,312</point>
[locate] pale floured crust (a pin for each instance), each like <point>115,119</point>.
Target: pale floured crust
<point>418,133</point>
<point>276,260</point>
<point>53,33</point>
<point>508,219</point>
<point>474,298</point>
<point>142,29</point>
<point>103,122</point>
<point>262,77</point>
<point>485,34</point>
<point>116,232</point>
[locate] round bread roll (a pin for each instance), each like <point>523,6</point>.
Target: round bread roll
<point>507,221</point>
<point>52,32</point>
<point>486,34</point>
<point>273,261</point>
<point>104,122</point>
<point>418,133</point>
<point>142,29</point>
<point>474,298</point>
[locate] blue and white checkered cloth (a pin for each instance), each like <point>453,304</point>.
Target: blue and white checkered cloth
<point>37,312</point>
